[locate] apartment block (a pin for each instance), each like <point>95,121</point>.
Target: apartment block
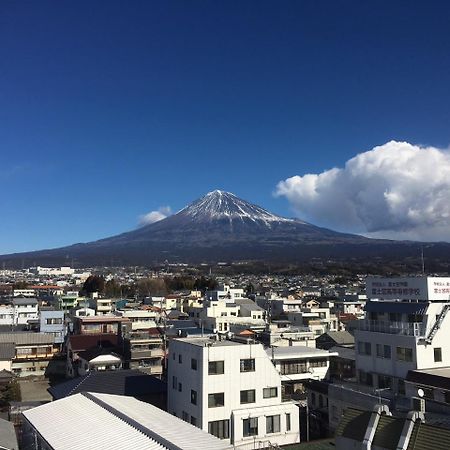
<point>230,389</point>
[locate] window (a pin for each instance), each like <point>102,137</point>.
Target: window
<point>219,428</point>
<point>365,378</point>
<point>216,400</point>
<point>383,351</point>
<point>194,421</point>
<point>322,362</point>
<point>401,386</point>
<point>395,317</point>
<point>174,382</point>
<point>447,396</point>
<point>193,397</point>
<point>180,358</point>
<point>248,396</point>
<point>270,392</point>
<point>193,364</point>
<point>291,367</point>
<point>215,367</point>
<point>438,354</point>
<point>364,348</point>
<point>288,422</point>
<point>247,365</point>
<point>180,387</point>
<point>384,382</point>
<point>250,426</point>
<point>185,416</point>
<point>273,424</point>
<point>404,354</point>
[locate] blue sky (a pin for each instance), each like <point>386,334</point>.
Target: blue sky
<point>109,110</point>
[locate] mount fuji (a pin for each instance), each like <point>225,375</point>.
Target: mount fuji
<point>218,227</point>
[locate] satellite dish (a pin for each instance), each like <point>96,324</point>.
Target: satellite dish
<point>420,392</point>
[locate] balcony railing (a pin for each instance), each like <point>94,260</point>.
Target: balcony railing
<point>146,353</point>
<point>403,328</point>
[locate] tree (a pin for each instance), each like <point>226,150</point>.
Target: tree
<point>94,283</point>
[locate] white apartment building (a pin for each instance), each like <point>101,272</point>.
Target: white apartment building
<point>104,305</point>
<point>407,327</point>
<point>29,293</point>
<point>230,389</point>
<point>25,309</point>
<point>226,315</point>
<point>52,271</point>
<point>6,314</point>
<point>318,320</point>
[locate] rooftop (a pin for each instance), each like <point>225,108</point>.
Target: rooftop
<point>27,338</point>
<point>132,383</point>
<point>298,351</point>
<point>205,342</point>
<point>115,422</point>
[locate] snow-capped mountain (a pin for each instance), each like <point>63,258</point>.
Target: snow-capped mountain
<point>219,226</point>
<point>218,205</point>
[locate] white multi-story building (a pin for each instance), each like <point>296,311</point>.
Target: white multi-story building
<point>29,293</point>
<point>104,305</point>
<point>230,389</point>
<point>25,309</point>
<point>298,364</point>
<point>406,327</point>
<point>6,314</point>
<point>224,315</point>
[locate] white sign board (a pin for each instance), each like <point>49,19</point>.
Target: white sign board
<point>408,288</point>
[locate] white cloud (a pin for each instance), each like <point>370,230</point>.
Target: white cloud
<point>155,216</point>
<point>396,190</point>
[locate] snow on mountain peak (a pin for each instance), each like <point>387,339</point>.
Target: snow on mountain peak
<point>219,204</point>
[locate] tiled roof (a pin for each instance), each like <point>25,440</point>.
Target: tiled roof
<point>341,337</point>
<point>25,301</point>
<point>132,383</point>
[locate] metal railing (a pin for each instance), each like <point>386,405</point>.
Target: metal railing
<point>403,328</point>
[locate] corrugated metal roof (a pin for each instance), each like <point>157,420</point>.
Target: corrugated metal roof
<point>7,351</point>
<point>174,430</point>
<point>113,422</point>
<point>388,432</point>
<point>353,424</point>
<point>24,338</point>
<point>8,438</point>
<point>427,437</point>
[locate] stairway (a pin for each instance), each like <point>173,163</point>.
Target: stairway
<point>437,324</point>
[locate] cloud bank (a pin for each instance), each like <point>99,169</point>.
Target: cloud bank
<point>155,216</point>
<point>396,190</point>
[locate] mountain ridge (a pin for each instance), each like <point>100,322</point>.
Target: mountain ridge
<point>219,226</point>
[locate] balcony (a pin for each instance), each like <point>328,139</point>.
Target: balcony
<point>415,329</point>
<point>146,353</point>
